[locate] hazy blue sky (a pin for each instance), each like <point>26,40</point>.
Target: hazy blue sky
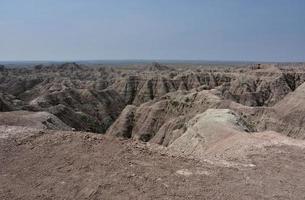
<point>265,30</point>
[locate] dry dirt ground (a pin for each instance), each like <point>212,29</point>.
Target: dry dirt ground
<point>74,165</point>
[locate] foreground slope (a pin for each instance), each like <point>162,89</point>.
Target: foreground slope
<point>72,165</point>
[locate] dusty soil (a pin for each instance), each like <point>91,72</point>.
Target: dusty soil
<point>74,165</point>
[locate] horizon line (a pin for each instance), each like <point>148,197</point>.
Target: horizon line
<point>173,61</point>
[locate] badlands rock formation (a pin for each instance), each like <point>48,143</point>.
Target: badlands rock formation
<point>207,132</point>
<point>185,123</point>
<point>162,98</point>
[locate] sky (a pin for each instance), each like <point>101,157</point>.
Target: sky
<point>226,30</point>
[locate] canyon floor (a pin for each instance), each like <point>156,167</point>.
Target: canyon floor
<point>70,131</point>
